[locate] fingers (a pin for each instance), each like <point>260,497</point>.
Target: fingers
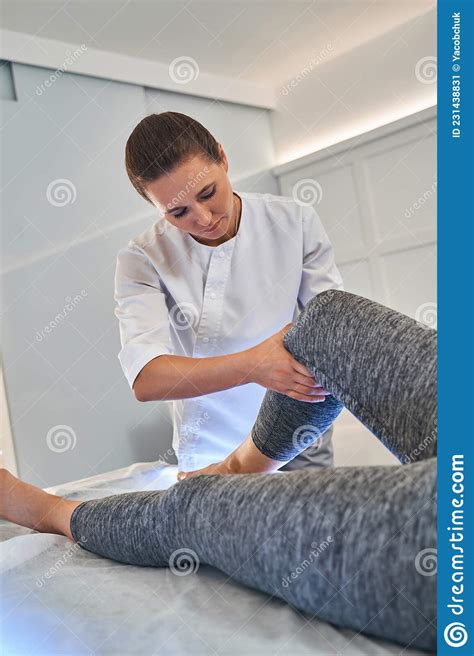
<point>182,475</point>
<point>211,469</point>
<point>302,392</point>
<point>312,394</point>
<point>304,378</point>
<point>305,372</point>
<point>301,384</point>
<point>307,398</point>
<point>286,328</point>
<point>307,381</point>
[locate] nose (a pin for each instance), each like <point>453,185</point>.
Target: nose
<point>203,217</point>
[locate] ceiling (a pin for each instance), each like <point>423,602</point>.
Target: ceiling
<point>262,42</point>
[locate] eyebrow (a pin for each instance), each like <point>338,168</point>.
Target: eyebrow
<point>182,207</point>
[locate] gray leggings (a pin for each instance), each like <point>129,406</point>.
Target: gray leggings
<point>354,546</point>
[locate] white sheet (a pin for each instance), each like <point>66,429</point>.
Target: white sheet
<point>59,599</point>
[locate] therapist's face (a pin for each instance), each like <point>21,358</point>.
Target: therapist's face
<point>197,198</point>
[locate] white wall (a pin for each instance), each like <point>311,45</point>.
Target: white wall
<point>376,197</point>
<point>329,100</point>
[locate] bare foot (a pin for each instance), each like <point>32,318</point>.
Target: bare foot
<point>34,508</point>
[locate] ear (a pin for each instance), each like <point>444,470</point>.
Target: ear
<point>224,158</point>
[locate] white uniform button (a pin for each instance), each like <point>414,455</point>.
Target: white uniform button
<point>213,295</point>
<point>205,339</point>
<point>221,254</point>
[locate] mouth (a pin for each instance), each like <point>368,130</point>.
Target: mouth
<point>213,227</point>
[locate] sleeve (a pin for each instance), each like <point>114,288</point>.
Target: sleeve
<point>319,268</point>
<point>141,310</point>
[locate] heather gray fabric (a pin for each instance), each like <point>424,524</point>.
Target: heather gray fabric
<point>319,453</point>
<point>379,363</point>
<point>353,545</point>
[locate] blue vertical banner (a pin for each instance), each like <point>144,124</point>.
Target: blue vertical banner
<point>455,34</point>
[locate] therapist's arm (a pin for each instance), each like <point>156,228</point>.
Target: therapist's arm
<point>269,364</point>
<point>170,377</point>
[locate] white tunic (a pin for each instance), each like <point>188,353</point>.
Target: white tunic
<point>175,295</point>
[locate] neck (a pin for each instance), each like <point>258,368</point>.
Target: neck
<point>238,213</point>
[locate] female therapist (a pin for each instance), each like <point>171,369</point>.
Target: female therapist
<point>204,295</point>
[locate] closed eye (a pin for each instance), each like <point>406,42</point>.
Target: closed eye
<point>209,195</point>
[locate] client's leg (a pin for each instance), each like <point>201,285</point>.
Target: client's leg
<point>352,546</point>
<point>319,453</point>
<point>31,506</point>
<point>377,362</point>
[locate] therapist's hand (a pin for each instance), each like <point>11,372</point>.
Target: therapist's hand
<point>273,367</point>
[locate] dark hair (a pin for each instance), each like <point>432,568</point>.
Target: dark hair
<point>160,142</point>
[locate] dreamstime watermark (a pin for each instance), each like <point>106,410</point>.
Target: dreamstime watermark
<point>183,316</point>
<point>61,438</point>
<point>415,453</point>
<point>316,551</point>
<point>307,192</point>
<point>426,562</point>
<point>419,202</point>
<point>61,192</point>
<point>307,69</point>
<point>194,179</point>
<point>190,429</point>
<point>183,70</point>
<point>71,303</point>
<point>167,454</point>
<point>183,562</point>
<point>455,634</point>
<point>189,186</point>
<point>426,70</point>
<point>70,59</point>
<point>427,314</point>
<point>325,297</point>
<point>40,581</point>
<point>194,426</point>
<point>305,435</point>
